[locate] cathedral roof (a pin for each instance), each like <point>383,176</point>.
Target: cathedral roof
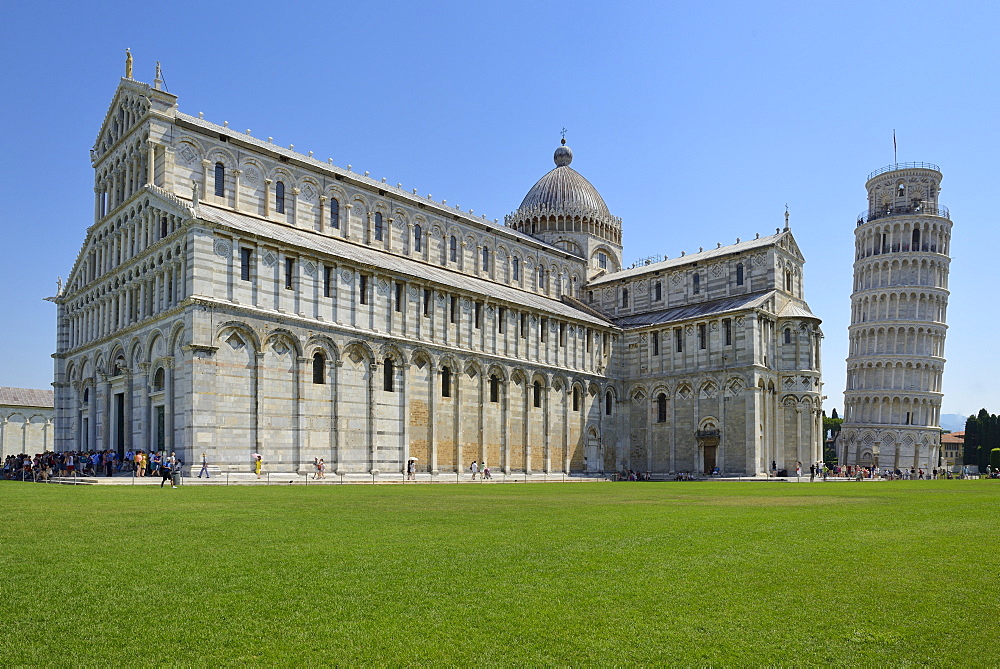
<point>393,264</point>
<point>563,189</point>
<point>700,310</point>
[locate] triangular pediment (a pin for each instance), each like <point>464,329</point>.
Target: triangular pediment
<point>789,245</point>
<point>129,106</point>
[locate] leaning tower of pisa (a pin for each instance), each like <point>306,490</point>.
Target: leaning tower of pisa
<point>892,404</point>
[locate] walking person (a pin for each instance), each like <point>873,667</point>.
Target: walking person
<point>204,466</point>
<point>165,472</point>
<point>257,464</point>
<point>474,467</point>
<point>486,472</point>
<point>321,469</point>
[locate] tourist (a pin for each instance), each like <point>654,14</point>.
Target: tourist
<point>257,463</point>
<point>204,466</point>
<point>321,469</point>
<point>165,472</point>
<point>474,467</point>
<point>486,471</point>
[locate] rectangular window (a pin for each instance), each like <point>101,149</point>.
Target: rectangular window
<point>454,309</point>
<point>363,289</point>
<point>727,331</point>
<point>478,315</point>
<point>501,317</point>
<point>427,301</point>
<point>702,336</point>
<point>327,280</point>
<point>524,325</point>
<point>399,296</point>
<point>589,335</point>
<point>679,340</point>
<point>658,291</point>
<point>289,271</point>
<point>543,325</point>
<point>245,257</point>
<point>562,334</point>
<point>656,343</point>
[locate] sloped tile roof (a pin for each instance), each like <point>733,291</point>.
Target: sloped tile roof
<point>688,311</point>
<point>26,397</point>
<point>392,264</point>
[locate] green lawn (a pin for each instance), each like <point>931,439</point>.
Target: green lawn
<point>656,573</point>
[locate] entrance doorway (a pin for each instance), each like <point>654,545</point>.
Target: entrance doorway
<point>160,429</point>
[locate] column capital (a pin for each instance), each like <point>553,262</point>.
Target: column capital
<point>205,162</point>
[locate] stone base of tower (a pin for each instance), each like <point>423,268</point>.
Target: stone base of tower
<point>889,448</point>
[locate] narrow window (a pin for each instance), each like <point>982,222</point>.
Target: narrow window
<point>501,317</point>
<point>541,278</point>
<point>727,330</point>
<point>537,392</point>
<point>661,408</point>
<point>453,249</point>
<point>679,340</point>
<point>739,274</point>
<point>901,191</point>
<point>788,281</point>
<point>399,296</point>
<point>163,227</point>
<point>245,256</point>
<point>524,325</point>
<point>702,336</point>
<point>609,401</point>
<point>587,339</point>
<point>220,179</point>
<point>915,240</point>
<point>590,296</point>
<point>445,382</point>
<point>157,384</point>
<point>388,375</point>
<point>656,343</point>
<point>478,315</point>
<point>454,309</point>
<point>788,336</point>
<point>696,283</point>
<point>543,325</point>
<point>658,291</point>
<point>576,398</point>
<point>624,297</point>
<point>602,260</point>
<point>363,289</point>
<point>279,197</point>
<point>378,226</point>
<point>418,239</point>
<point>516,269</point>
<point>562,334</point>
<point>427,301</point>
<point>486,259</point>
<point>289,271</point>
<point>319,368</point>
<point>494,388</point>
<point>334,212</point>
<point>327,280</point>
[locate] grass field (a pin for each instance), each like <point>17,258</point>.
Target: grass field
<point>674,573</point>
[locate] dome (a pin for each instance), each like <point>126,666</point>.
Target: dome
<point>564,190</point>
<point>564,201</point>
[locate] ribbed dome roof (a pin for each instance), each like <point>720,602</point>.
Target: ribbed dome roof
<point>565,190</point>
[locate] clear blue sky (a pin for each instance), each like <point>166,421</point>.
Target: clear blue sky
<point>697,122</point>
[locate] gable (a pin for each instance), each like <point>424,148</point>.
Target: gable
<point>129,106</point>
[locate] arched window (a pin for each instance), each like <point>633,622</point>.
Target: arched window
<point>388,375</point>
<point>541,278</point>
<point>453,249</point>
<point>158,380</point>
<point>696,283</point>
<point>576,398</point>
<point>220,179</point>
<point>788,335</point>
<point>739,274</point>
<point>901,191</point>
<point>279,197</point>
<point>378,226</point>
<point>418,239</point>
<point>86,395</point>
<point>494,388</point>
<point>661,408</point>
<point>624,297</point>
<point>516,268</point>
<point>915,245</point>
<point>319,368</point>
<point>609,402</point>
<point>445,381</point>
<point>537,392</point>
<point>334,212</point>
<point>788,281</point>
<point>486,259</point>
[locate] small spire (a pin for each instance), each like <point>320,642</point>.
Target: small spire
<point>786,216</point>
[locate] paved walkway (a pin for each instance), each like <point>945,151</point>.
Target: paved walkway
<point>290,478</point>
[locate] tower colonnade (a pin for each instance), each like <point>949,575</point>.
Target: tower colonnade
<point>895,364</point>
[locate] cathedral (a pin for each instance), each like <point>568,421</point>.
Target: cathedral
<point>233,297</point>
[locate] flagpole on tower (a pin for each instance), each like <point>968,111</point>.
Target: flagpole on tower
<point>894,160</point>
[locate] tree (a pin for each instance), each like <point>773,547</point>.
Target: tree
<point>995,458</point>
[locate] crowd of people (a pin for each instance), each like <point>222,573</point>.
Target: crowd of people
<point>44,466</point>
